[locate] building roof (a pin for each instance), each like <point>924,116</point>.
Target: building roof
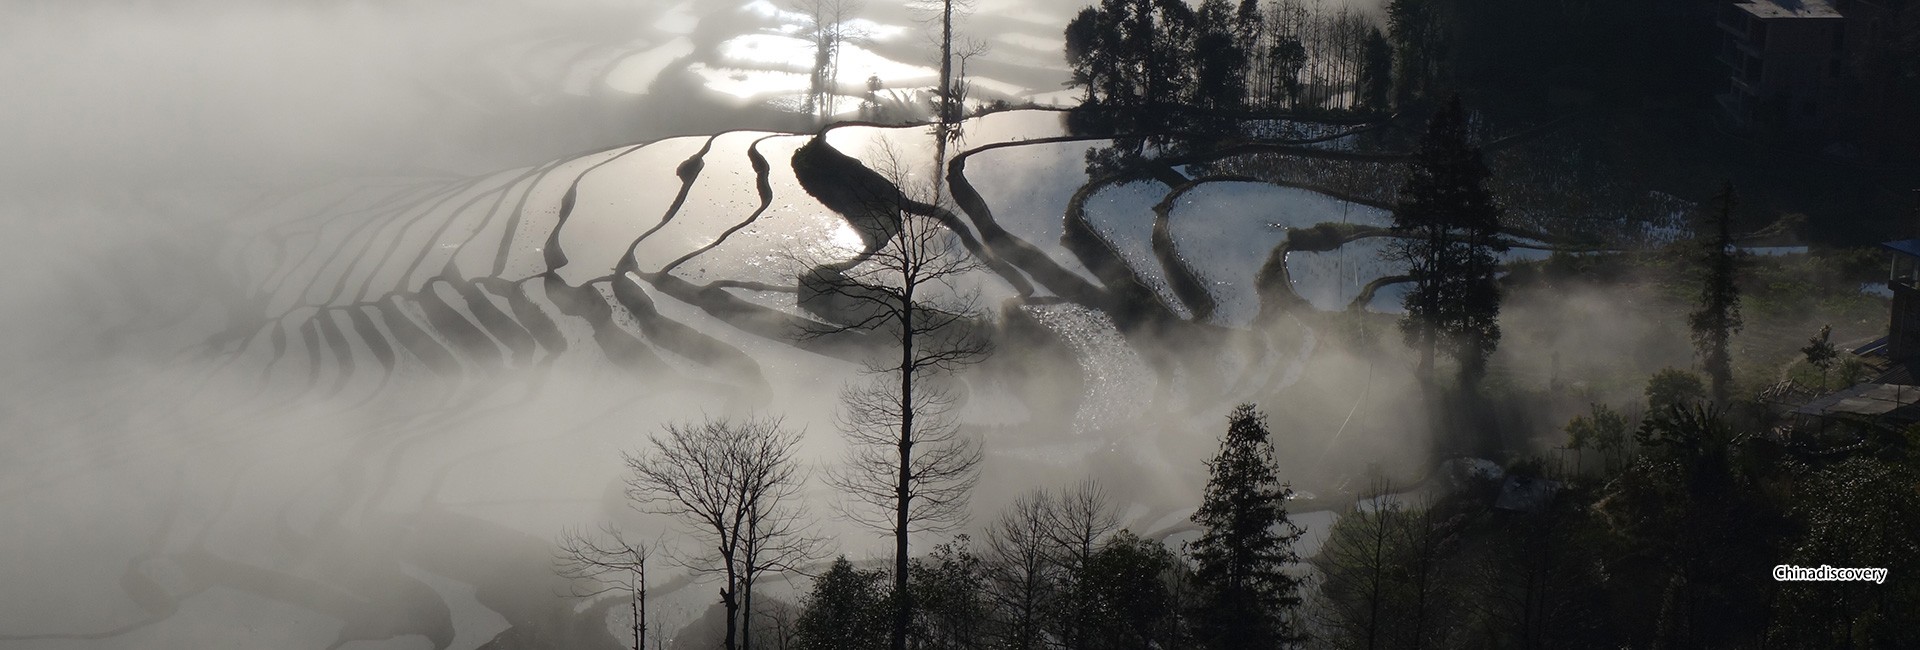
<point>1891,401</point>
<point>1908,247</point>
<point>1790,9</point>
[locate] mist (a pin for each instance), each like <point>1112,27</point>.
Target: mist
<point>221,215</point>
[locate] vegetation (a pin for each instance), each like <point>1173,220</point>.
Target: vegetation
<point>1247,598</point>
<point>1449,226</point>
<point>1718,317</point>
<point>1611,522</point>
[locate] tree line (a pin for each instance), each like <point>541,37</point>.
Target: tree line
<point>1157,55</point>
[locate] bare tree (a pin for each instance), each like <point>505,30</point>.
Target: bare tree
<point>731,484</point>
<point>1021,575</point>
<point>615,565</point>
<point>828,26</point>
<point>777,539</point>
<point>1081,519</point>
<point>909,468</point>
<point>948,107</point>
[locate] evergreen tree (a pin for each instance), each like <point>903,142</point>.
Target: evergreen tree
<point>846,611</point>
<point>1087,55</point>
<point>1718,317</point>
<point>1247,600</point>
<point>1222,65</point>
<point>1376,73</point>
<point>1449,225</point>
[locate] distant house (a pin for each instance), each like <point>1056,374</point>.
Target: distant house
<point>1789,62</point>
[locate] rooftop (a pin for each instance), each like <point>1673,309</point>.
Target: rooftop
<point>1868,400</point>
<point>1908,247</point>
<point>1790,9</point>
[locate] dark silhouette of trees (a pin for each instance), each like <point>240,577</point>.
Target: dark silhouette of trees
<point>1133,589</point>
<point>847,610</point>
<point>951,609</point>
<point>1693,507</point>
<point>1415,26</point>
<point>1716,317</point>
<point>1376,72</point>
<point>1673,387</point>
<point>733,485</point>
<point>1448,225</point>
<point>1246,598</point>
<point>828,28</point>
<point>1221,60</point>
<point>1021,575</point>
<point>1078,522</point>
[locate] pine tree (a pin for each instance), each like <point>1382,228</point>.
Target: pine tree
<point>1247,600</point>
<point>1718,316</point>
<point>1449,225</point>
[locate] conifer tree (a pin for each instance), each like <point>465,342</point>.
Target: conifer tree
<point>1247,600</point>
<point>1718,316</point>
<point>1449,225</point>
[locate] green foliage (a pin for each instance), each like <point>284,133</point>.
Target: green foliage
<point>1133,589</point>
<point>1603,430</point>
<point>1674,387</point>
<point>1717,316</point>
<point>848,610</point>
<point>950,605</point>
<point>1247,599</point>
<point>1696,511</point>
<point>1860,512</point>
<point>1820,351</point>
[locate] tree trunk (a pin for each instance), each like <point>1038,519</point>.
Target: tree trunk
<point>903,599</point>
<point>640,610</point>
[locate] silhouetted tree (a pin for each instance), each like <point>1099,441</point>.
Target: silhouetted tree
<point>1221,62</point>
<point>828,28</point>
<point>1820,353</point>
<point>1246,597</point>
<point>951,610</point>
<point>1415,28</point>
<point>595,566</point>
<point>847,610</point>
<point>1717,316</point>
<point>1673,386</point>
<point>718,477</point>
<point>1133,587</point>
<point>1693,509</point>
<point>1079,520</point>
<point>1022,576</point>
<point>1376,73</point>
<point>909,469</point>
<point>1602,429</point>
<point>1448,225</point>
